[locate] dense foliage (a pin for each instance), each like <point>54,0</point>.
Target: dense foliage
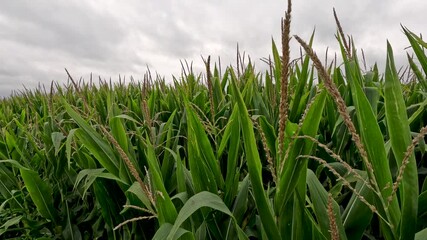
<point>200,158</point>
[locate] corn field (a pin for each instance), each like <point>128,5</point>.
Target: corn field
<point>305,150</point>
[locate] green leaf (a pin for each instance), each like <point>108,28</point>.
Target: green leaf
<point>357,216</point>
<point>71,230</point>
<point>254,166</point>
<point>227,132</point>
<point>415,44</point>
<point>421,235</point>
<point>90,175</point>
<point>119,132</point>
<point>68,146</point>
<point>400,137</point>
<point>277,65</point>
<point>127,117</point>
<point>319,198</point>
<point>165,209</point>
<point>106,196</point>
<point>136,189</point>
<point>232,175</point>
<point>202,199</point>
<point>373,142</point>
<point>270,136</point>
<point>241,204</point>
<point>417,72</point>
<point>302,77</point>
<point>422,204</point>
<point>40,192</point>
<point>9,223</point>
<point>203,164</point>
<point>164,230</point>
<point>14,163</point>
<point>294,167</point>
<point>98,146</point>
<point>57,138</point>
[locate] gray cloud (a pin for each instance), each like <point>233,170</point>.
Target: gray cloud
<point>63,26</point>
<point>39,39</point>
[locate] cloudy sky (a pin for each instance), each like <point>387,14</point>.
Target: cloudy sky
<point>39,38</point>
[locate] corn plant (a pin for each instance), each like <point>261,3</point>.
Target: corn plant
<point>304,150</point>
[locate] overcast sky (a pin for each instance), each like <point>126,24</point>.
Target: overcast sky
<point>39,38</point>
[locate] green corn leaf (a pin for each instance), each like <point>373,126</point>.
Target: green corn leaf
<point>98,146</point>
<point>166,136</point>
<point>422,79</point>
<point>227,132</point>
<point>415,44</point>
<point>165,209</point>
<point>240,205</point>
<point>422,204</point>
<point>168,127</point>
<point>119,132</point>
<point>14,163</point>
<point>254,166</point>
<point>232,175</point>
<point>311,227</point>
<point>8,183</point>
<point>421,235</point>
<point>13,221</point>
<point>373,97</point>
<point>136,190</point>
<point>357,216</point>
<point>217,90</point>
<point>319,198</point>
<point>202,158</point>
<point>71,231</point>
<point>164,230</point>
<point>202,199</point>
<point>68,149</point>
<point>303,78</point>
<point>400,137</point>
<point>269,133</point>
<point>57,138</point>
<point>373,141</point>
<point>90,175</point>
<point>180,174</point>
<point>127,117</point>
<point>105,193</point>
<point>277,65</point>
<point>40,192</point>
<point>294,174</point>
<point>293,166</point>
